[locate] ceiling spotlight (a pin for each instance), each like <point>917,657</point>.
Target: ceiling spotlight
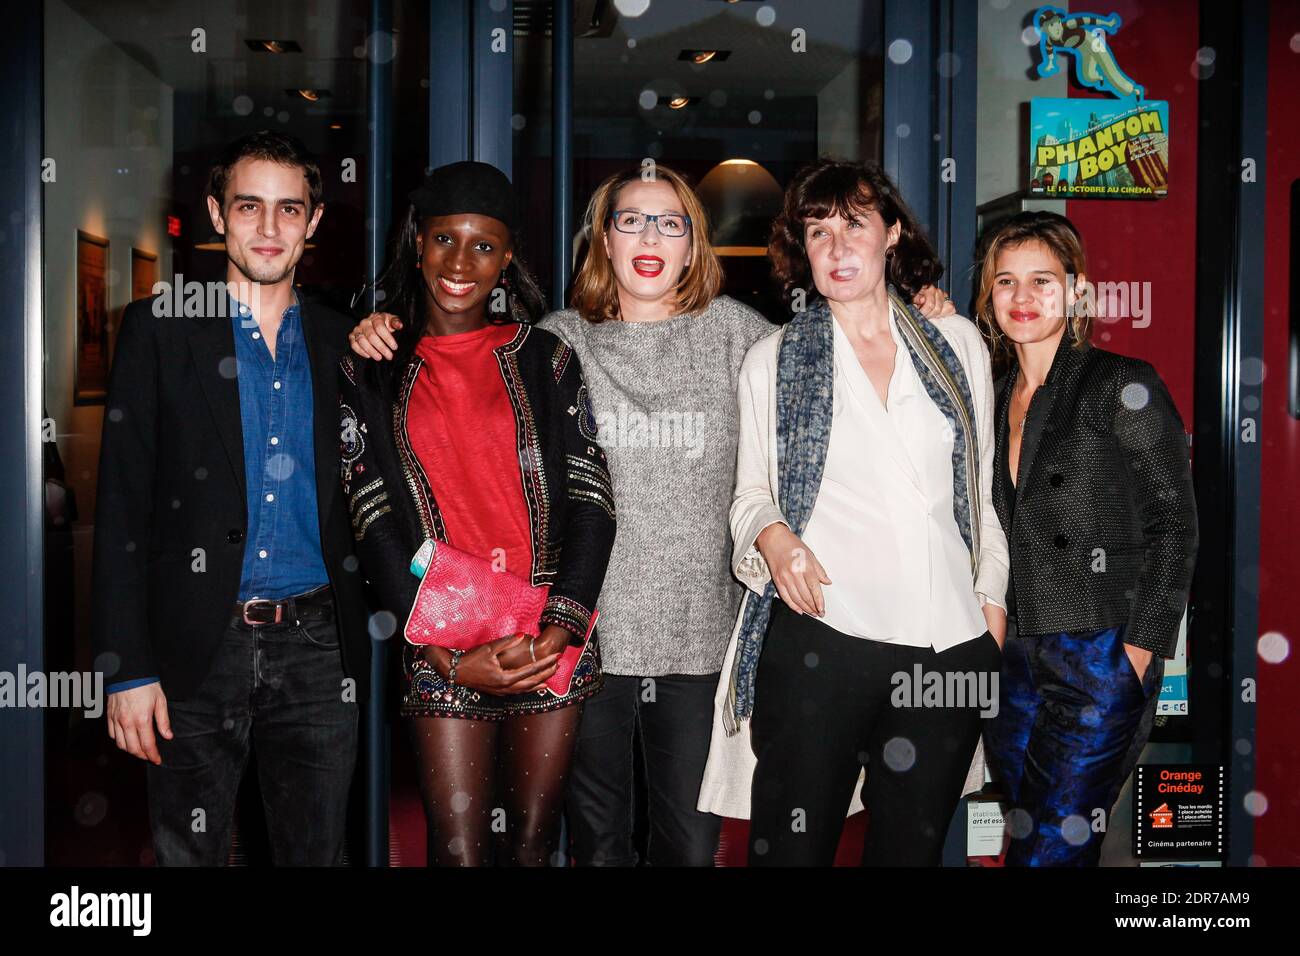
<point>274,46</point>
<point>309,94</point>
<point>677,102</point>
<point>700,57</point>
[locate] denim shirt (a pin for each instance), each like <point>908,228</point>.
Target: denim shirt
<point>282,553</point>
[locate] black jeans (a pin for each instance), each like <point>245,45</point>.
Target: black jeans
<point>675,715</point>
<point>276,691</point>
<point>826,705</point>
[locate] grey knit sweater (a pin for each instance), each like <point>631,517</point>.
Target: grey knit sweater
<point>664,394</point>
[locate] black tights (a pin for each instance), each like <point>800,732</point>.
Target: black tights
<point>460,764</point>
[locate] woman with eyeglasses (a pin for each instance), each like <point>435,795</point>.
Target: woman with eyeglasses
<point>661,350</point>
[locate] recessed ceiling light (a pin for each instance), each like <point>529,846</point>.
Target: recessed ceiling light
<point>274,46</point>
<point>309,94</point>
<point>677,102</point>
<point>703,56</point>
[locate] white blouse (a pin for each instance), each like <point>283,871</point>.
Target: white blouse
<point>883,524</point>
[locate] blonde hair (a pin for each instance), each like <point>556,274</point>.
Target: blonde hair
<point>595,290</point>
<point>1062,239</point>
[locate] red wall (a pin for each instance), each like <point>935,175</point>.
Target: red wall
<point>1277,775</point>
<point>1152,240</point>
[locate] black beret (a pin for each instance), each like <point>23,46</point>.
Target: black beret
<point>466,187</point>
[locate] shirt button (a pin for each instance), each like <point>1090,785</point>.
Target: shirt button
<point>1056,479</point>
<point>234,536</point>
<point>277,384</point>
<point>270,497</point>
<point>262,553</point>
<point>274,440</point>
<point>1061,541</point>
<point>257,335</point>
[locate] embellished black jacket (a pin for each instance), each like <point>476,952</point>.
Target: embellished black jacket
<point>1102,520</point>
<point>565,478</point>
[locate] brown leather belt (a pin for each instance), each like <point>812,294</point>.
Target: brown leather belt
<point>315,603</point>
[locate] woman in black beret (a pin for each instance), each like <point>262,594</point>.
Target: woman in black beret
<point>480,436</point>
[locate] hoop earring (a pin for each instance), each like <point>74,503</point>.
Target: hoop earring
<point>504,282</point>
<point>419,257</point>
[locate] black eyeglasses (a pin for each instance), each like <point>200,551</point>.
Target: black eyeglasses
<point>673,225</point>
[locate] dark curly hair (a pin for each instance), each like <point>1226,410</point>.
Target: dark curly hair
<point>829,187</point>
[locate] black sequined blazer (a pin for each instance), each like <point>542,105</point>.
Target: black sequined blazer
<point>1102,531</point>
<point>565,477</point>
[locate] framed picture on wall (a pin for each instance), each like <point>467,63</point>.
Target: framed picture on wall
<point>91,348</point>
<point>144,273</point>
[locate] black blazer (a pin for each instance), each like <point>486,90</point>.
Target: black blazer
<point>171,480</point>
<point>1104,528</point>
<point>565,476</point>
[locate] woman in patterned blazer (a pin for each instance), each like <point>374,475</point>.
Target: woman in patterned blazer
<point>1092,484</point>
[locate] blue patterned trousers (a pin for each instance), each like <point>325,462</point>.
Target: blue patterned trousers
<point>1072,720</point>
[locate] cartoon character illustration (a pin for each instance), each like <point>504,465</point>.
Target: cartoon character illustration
<point>1084,36</point>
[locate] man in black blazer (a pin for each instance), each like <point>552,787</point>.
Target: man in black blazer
<point>228,603</point>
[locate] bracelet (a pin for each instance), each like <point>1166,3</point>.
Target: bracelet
<point>455,662</point>
<point>531,651</point>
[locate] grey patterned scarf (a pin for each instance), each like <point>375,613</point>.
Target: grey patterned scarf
<point>805,374</point>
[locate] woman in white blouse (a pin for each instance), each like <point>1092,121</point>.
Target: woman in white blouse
<point>864,527</point>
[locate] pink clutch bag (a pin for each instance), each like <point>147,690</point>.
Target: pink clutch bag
<point>462,603</point>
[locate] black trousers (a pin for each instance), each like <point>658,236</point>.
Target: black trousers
<point>827,705</point>
<point>276,692</point>
<point>675,715</point>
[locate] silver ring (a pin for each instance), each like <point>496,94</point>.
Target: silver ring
<point>531,652</point>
